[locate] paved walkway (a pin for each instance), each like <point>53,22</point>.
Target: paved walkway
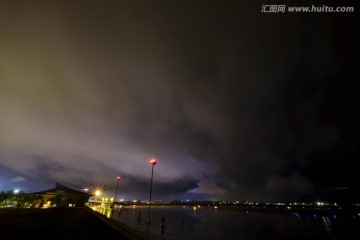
<point>69,223</point>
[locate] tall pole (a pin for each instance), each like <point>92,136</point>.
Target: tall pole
<point>153,163</point>
<point>117,185</point>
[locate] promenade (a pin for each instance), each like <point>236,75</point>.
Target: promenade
<point>66,223</point>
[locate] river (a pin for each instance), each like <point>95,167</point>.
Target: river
<point>184,223</point>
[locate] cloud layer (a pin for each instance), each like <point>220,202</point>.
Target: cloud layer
<point>229,109</point>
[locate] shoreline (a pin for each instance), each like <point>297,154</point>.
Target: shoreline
<point>292,209</point>
<point>309,210</point>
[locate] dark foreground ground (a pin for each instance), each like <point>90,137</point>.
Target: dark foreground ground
<point>69,223</point>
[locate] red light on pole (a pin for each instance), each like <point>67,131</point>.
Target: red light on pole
<point>153,161</point>
<point>117,185</point>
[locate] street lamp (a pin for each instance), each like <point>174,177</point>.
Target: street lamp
<point>16,191</point>
<point>97,194</point>
<point>153,163</point>
<point>117,185</point>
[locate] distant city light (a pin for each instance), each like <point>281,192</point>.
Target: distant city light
<point>16,191</point>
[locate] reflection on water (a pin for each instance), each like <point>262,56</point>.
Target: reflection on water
<point>328,227</point>
<point>107,211</point>
<point>180,223</point>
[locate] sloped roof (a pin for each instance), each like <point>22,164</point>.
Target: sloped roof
<point>59,188</point>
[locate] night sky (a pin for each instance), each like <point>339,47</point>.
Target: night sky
<point>234,104</point>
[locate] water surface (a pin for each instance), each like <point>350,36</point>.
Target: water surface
<point>209,224</point>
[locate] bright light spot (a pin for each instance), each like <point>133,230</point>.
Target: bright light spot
<point>16,191</point>
<point>97,193</point>
<point>194,208</point>
<point>121,200</point>
<point>153,161</point>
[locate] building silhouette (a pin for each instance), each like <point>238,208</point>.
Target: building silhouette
<point>61,197</point>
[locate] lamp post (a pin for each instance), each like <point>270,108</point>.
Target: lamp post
<point>153,163</point>
<point>117,185</point>
<point>15,195</point>
<point>97,194</point>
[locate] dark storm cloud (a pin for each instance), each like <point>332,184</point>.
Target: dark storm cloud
<point>161,190</point>
<point>232,102</point>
